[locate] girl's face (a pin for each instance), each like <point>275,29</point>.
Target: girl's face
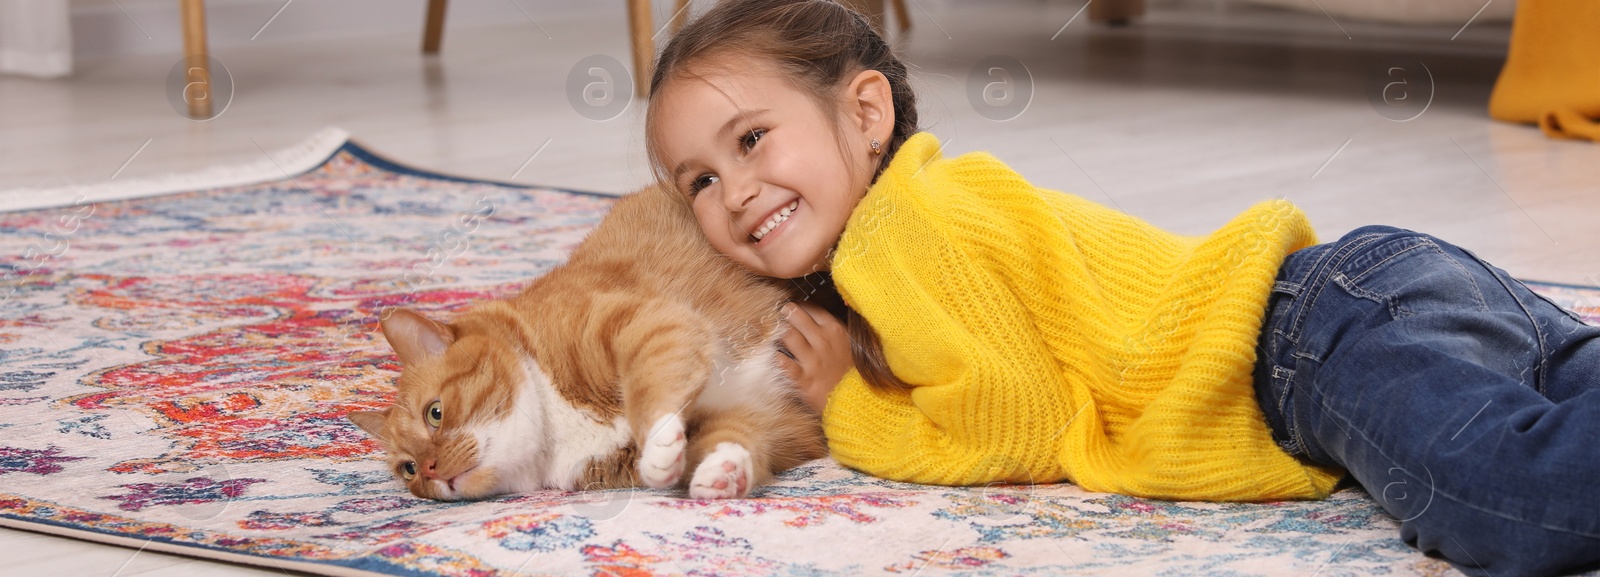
<point>763,165</point>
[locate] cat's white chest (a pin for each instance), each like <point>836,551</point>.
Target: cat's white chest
<point>547,441</point>
<point>756,381</point>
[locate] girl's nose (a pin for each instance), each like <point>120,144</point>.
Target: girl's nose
<point>737,193</point>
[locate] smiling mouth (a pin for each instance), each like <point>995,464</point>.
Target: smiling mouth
<point>778,217</point>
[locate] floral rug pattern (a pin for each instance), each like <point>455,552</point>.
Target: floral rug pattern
<point>176,371</point>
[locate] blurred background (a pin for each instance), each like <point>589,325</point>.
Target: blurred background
<point>1180,111</point>
<point>1362,111</point>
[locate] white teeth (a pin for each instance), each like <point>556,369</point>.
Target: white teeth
<point>777,219</point>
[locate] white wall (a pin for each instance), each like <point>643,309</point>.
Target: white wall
<point>101,28</point>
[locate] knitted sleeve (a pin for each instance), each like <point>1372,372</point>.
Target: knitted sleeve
<point>932,260</point>
<point>1046,337</point>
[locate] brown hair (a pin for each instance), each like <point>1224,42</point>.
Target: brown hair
<point>818,45</point>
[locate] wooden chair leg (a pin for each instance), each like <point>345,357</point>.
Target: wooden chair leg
<point>1115,12</point>
<point>433,29</point>
<point>902,18</point>
<point>680,15</point>
<point>640,20</point>
<point>193,13</point>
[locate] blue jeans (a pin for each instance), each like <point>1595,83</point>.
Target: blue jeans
<point>1468,406</point>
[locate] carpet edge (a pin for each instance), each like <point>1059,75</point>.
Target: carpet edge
<point>187,551</point>
<point>285,162</point>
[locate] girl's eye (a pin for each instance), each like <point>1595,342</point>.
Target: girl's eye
<point>749,140</point>
<point>409,470</point>
<point>434,415</point>
<point>746,142</point>
<point>699,184</point>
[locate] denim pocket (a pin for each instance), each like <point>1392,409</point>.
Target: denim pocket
<point>1277,347</point>
<point>1409,273</point>
<point>1280,310</point>
<point>1282,422</point>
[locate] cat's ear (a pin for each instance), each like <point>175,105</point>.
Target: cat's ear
<point>371,422</point>
<point>415,337</point>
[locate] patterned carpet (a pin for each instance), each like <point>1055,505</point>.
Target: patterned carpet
<point>176,371</point>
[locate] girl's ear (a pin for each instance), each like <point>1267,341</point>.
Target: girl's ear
<point>415,337</point>
<point>870,101</point>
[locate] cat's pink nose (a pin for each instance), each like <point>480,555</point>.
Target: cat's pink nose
<point>427,470</point>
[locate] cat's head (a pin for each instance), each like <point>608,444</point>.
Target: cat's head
<point>458,429</point>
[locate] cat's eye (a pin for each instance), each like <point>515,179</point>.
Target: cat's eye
<point>434,415</point>
<point>409,470</point>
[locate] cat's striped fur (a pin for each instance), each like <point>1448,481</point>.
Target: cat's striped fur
<point>647,355</point>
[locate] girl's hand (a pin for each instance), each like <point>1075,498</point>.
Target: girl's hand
<point>821,349</point>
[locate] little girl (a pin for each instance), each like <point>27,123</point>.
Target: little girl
<point>999,332</point>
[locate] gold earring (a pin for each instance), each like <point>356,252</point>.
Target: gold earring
<point>875,148</point>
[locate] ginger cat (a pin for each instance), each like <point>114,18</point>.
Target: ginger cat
<point>645,355</point>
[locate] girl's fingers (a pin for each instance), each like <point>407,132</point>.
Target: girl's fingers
<point>787,364</point>
<point>795,340</point>
<point>826,333</point>
<point>801,325</point>
<point>797,313</point>
<point>811,321</point>
<point>820,346</point>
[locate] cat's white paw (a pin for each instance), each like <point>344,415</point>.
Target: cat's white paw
<point>661,458</point>
<point>726,473</point>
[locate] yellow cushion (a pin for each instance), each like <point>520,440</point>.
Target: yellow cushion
<point>1552,71</point>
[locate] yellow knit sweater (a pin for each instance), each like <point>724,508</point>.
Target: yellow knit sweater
<point>1048,338</point>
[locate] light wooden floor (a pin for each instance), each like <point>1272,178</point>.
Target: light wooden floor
<point>1184,119</point>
